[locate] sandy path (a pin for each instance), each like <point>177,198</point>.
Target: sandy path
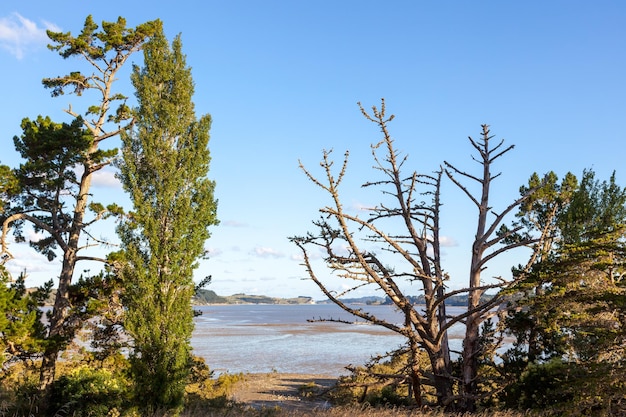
<point>287,391</point>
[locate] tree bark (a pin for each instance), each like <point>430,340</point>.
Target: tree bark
<point>471,345</point>
<point>61,306</point>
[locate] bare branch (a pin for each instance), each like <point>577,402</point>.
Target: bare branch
<point>6,255</point>
<point>461,186</point>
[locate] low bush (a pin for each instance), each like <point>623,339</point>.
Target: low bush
<point>568,388</point>
<point>383,382</point>
<point>206,392</point>
<point>87,392</point>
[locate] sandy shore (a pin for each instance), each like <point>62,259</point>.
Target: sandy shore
<point>287,391</point>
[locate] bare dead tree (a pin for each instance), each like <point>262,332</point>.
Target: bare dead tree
<point>406,230</point>
<point>492,239</point>
<point>412,247</point>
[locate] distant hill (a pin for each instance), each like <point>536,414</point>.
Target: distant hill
<point>457,300</point>
<point>210,297</point>
<point>368,300</point>
<point>204,297</point>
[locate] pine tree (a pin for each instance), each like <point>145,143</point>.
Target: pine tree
<point>569,316</point>
<point>60,160</point>
<point>164,168</point>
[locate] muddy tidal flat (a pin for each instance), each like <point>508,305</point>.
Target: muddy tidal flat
<point>288,339</point>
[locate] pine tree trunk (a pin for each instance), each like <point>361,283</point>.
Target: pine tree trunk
<point>57,322</point>
<point>61,301</point>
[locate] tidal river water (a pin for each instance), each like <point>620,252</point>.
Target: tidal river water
<point>267,338</point>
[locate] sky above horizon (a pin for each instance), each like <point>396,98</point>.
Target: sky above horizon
<point>281,80</point>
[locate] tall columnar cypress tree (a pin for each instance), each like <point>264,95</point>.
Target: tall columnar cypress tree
<point>164,168</point>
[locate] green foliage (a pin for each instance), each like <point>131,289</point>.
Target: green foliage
<point>97,311</point>
<point>568,311</point>
<point>382,382</point>
<point>574,293</point>
<point>51,152</point>
<point>568,388</point>
<point>53,194</point>
<point>115,42</point>
<point>203,391</point>
<point>85,391</point>
<point>19,389</point>
<point>9,186</point>
<point>21,330</point>
<point>164,168</point>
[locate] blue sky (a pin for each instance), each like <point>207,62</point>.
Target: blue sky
<point>281,80</point>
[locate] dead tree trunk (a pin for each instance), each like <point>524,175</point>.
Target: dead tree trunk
<point>413,248</point>
<point>489,234</point>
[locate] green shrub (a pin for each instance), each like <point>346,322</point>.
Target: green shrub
<point>87,392</point>
<point>372,384</point>
<point>569,388</point>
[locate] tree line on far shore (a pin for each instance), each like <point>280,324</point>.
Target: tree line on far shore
<point>561,309</point>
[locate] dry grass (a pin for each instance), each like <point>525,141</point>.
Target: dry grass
<point>259,395</point>
<point>344,412</point>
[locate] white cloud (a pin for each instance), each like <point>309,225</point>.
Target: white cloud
<point>265,252</point>
<point>234,223</point>
<point>448,242</point>
<point>32,236</point>
<point>18,34</point>
<point>35,263</point>
<point>38,268</point>
<point>298,257</point>
<point>106,178</point>
<point>214,252</point>
<point>358,206</point>
<point>339,249</point>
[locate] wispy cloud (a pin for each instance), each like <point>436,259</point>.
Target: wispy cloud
<point>299,257</point>
<point>358,206</point>
<point>27,259</point>
<point>33,264</point>
<point>234,223</point>
<point>18,34</point>
<point>106,178</point>
<point>448,242</point>
<point>213,252</point>
<point>32,236</point>
<point>265,252</point>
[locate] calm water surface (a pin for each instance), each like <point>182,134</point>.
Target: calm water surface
<point>266,338</point>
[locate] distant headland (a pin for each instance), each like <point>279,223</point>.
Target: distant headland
<point>205,297</point>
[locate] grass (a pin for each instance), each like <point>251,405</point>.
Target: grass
<point>348,411</point>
